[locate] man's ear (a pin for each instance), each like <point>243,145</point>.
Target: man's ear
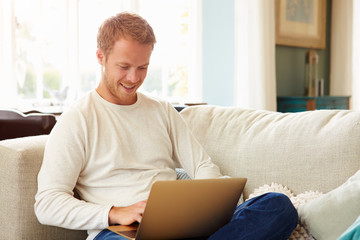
<point>100,56</point>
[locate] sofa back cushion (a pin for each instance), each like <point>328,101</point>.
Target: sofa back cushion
<point>314,150</point>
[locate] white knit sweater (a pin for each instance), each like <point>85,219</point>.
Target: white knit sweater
<point>112,154</point>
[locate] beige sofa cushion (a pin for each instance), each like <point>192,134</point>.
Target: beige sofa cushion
<point>316,150</point>
<point>20,161</point>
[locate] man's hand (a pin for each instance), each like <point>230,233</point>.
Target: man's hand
<point>127,215</point>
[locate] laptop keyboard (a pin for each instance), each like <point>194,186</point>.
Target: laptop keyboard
<point>130,233</point>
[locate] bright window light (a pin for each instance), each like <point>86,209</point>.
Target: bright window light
<point>55,45</point>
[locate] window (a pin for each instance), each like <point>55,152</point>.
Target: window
<point>54,47</point>
<point>174,63</point>
<point>40,49</point>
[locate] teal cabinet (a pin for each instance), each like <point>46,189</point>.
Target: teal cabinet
<point>302,103</point>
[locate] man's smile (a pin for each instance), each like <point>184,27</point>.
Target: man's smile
<point>127,86</point>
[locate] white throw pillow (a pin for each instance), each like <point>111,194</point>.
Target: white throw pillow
<point>328,216</point>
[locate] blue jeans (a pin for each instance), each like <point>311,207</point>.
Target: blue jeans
<point>270,216</point>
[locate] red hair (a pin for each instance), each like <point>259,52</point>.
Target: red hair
<point>124,25</point>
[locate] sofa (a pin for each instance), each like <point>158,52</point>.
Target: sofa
<point>314,151</point>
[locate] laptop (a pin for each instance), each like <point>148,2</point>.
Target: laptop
<point>182,209</point>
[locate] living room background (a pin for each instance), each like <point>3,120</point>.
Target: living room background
<point>290,64</point>
<point>48,53</point>
<point>213,58</point>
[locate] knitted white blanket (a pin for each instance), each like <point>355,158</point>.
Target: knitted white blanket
<point>300,232</point>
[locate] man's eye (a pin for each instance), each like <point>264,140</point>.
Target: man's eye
<point>124,67</point>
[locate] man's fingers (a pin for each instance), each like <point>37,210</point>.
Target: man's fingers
<point>140,206</point>
<point>139,218</point>
<point>127,215</point>
<point>143,203</point>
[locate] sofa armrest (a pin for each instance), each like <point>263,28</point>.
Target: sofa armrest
<point>20,161</point>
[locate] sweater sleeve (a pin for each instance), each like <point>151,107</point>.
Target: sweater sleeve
<point>64,158</point>
<point>187,151</point>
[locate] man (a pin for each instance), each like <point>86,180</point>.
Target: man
<point>115,142</point>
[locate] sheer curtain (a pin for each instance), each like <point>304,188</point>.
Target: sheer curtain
<point>345,50</point>
<point>7,89</point>
<point>356,56</point>
<point>255,83</point>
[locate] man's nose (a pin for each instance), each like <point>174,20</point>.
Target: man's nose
<point>132,76</point>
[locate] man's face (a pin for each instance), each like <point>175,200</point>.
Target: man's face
<point>123,71</point>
